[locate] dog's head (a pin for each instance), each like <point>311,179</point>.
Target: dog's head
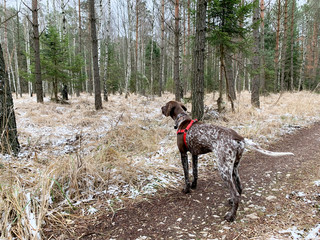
<point>172,109</point>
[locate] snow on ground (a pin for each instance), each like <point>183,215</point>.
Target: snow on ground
<point>51,130</point>
<point>51,133</point>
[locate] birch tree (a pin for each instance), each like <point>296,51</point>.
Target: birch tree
<point>128,67</point>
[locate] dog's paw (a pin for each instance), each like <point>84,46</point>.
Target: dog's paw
<point>185,191</point>
<point>229,217</point>
<point>193,185</point>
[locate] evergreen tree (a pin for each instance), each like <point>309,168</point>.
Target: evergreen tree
<point>54,59</point>
<point>8,127</point>
<point>227,32</point>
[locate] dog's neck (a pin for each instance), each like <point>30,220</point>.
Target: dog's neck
<point>181,117</point>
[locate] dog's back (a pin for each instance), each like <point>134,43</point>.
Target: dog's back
<point>203,138</point>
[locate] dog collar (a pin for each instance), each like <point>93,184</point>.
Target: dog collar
<point>177,121</point>
<point>184,131</point>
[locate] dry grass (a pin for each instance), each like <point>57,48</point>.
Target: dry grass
<point>72,154</point>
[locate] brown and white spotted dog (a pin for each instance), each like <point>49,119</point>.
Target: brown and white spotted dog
<point>200,138</point>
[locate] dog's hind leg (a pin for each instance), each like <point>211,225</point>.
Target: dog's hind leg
<point>194,171</point>
<point>226,172</point>
<point>236,165</point>
<point>185,165</point>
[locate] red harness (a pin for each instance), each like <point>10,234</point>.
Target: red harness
<point>184,131</point>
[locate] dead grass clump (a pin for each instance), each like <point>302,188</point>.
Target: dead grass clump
<point>274,118</point>
<point>135,138</point>
<point>123,150</point>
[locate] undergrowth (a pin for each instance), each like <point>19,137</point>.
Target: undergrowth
<point>123,151</point>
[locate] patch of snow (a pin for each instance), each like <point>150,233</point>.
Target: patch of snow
<point>31,218</point>
<point>271,198</point>
<point>317,183</point>
<point>92,210</point>
<point>294,232</point>
<point>314,233</point>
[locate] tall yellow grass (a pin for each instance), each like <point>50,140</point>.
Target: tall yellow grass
<point>118,152</point>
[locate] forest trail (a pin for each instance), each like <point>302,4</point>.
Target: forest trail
<point>281,200</point>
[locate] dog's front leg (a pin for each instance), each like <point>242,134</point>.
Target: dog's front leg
<point>194,171</point>
<point>184,161</point>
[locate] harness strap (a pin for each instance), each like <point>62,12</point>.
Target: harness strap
<point>184,131</point>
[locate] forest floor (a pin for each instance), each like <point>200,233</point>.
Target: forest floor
<point>116,173</point>
<point>281,200</point>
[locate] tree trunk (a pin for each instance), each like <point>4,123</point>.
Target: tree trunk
<point>230,80</point>
<point>17,53</point>
<point>315,50</point>
<point>78,86</point>
<point>276,57</point>
<point>35,25</point>
<point>107,41</point>
<point>27,48</point>
<point>95,60</point>
<point>161,77</point>
<point>199,57</point>
<point>128,68</point>
<point>262,50</point>
<point>151,55</point>
<point>8,127</point>
<point>292,45</point>
<point>220,99</point>
<point>284,46</point>
<point>177,53</point>
<point>255,62</point>
<point>137,44</point>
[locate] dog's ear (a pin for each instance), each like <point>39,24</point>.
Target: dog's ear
<point>183,107</point>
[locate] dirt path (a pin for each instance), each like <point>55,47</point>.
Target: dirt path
<point>280,198</point>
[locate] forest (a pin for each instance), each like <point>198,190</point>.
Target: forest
<point>85,150</point>
<point>148,47</point>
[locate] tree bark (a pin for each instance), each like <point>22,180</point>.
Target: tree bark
<point>128,68</point>
<point>27,49</point>
<point>176,71</point>
<point>230,80</point>
<point>95,60</point>
<point>276,57</point>
<point>151,55</point>
<point>292,45</point>
<point>255,95</point>
<point>220,98</point>
<point>8,128</point>
<point>161,77</point>
<point>284,46</point>
<point>262,63</point>
<point>199,58</point>
<point>137,44</point>
<point>107,41</point>
<point>35,25</point>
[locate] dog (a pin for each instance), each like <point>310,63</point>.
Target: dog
<point>200,138</point>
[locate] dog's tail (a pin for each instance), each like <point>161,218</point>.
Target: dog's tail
<point>252,145</point>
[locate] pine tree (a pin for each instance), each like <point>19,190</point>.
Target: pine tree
<point>8,127</point>
<point>54,59</point>
<point>199,57</point>
<point>97,89</point>
<point>225,26</point>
